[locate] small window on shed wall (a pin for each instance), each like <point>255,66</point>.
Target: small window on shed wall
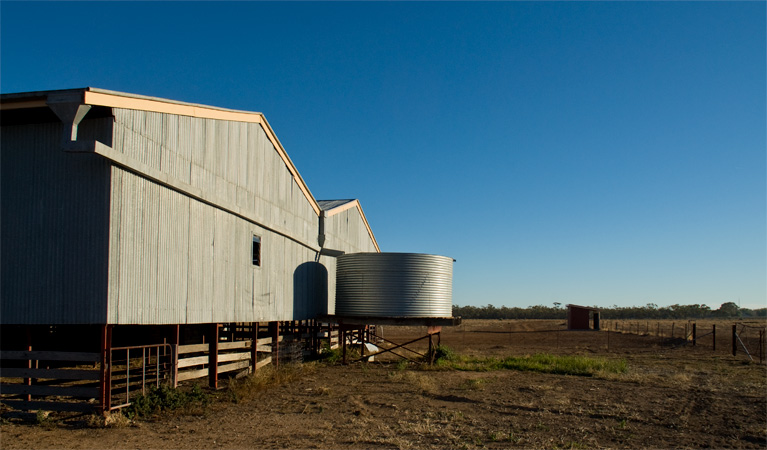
<point>256,251</point>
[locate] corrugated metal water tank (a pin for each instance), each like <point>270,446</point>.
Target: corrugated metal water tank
<point>394,285</point>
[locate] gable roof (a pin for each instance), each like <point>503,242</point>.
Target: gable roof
<point>113,99</point>
<point>329,205</point>
<point>333,207</point>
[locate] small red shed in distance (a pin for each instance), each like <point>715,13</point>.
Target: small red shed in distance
<point>579,317</point>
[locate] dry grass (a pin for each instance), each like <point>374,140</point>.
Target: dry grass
<point>245,389</point>
<point>113,420</point>
<point>422,381</point>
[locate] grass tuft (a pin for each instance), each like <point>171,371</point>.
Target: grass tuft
<point>543,363</point>
<point>246,388</point>
<point>165,398</point>
<point>444,353</point>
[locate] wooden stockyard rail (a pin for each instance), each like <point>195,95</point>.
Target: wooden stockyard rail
<point>60,383</point>
<point>113,378</point>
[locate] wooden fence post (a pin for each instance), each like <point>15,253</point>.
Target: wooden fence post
<point>213,356</point>
<point>274,331</point>
<point>175,335</point>
<point>254,347</point>
<point>28,381</point>
<point>694,334</point>
<point>106,369</point>
<point>734,340</point>
<point>342,337</point>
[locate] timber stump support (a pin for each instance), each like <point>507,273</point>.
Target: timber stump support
<point>274,332</point>
<point>174,341</point>
<point>213,356</point>
<point>105,378</point>
<point>254,348</point>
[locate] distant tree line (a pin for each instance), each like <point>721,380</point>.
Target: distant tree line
<point>649,311</point>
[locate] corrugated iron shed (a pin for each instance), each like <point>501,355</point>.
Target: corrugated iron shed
<point>125,209</point>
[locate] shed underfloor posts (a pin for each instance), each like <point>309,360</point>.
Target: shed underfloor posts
<point>362,343</point>
<point>213,356</point>
<point>342,336</point>
<point>28,381</point>
<point>174,348</point>
<point>105,380</point>
<point>254,347</point>
<point>274,332</point>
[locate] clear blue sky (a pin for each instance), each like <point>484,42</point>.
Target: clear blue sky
<point>597,153</point>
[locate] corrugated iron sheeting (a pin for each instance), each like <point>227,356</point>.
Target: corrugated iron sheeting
<point>55,223</point>
<point>234,160</point>
<point>238,163</point>
<point>87,242</point>
<point>178,260</point>
<point>394,285</point>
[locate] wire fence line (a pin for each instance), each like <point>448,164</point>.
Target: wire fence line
<point>747,339</point>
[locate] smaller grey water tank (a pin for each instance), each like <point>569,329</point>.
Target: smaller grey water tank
<point>394,285</point>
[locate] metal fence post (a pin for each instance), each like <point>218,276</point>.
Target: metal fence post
<point>734,340</point>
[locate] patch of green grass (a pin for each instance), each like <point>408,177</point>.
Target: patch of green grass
<point>543,362</point>
<point>331,355</point>
<point>443,354</point>
<point>336,355</point>
<point>165,398</point>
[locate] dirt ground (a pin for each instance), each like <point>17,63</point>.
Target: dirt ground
<point>672,396</point>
